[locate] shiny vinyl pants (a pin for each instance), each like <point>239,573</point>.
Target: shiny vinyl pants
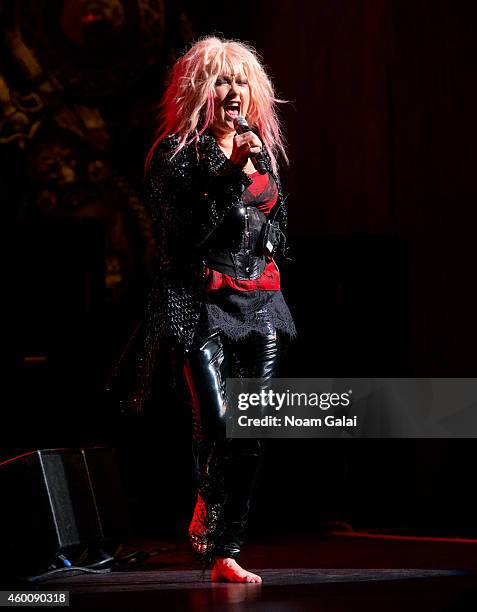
<point>225,469</point>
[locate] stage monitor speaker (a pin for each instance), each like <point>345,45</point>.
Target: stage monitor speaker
<point>110,503</point>
<point>55,502</point>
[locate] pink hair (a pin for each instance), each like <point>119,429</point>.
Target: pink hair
<point>187,106</point>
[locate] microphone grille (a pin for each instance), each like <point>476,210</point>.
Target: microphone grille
<point>240,122</point>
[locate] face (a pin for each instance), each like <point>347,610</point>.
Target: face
<point>232,98</point>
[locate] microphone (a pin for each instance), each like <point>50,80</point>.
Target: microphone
<point>258,159</point>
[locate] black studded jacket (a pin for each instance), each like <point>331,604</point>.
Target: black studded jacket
<point>189,196</point>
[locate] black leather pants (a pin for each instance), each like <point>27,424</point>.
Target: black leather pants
<point>226,469</point>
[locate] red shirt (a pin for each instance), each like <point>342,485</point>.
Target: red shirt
<point>263,194</point>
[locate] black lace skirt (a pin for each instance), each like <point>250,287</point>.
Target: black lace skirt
<point>238,313</point>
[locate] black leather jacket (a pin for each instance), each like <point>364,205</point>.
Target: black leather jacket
<point>189,195</point>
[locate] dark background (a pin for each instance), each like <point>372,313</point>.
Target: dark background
<point>380,126</point>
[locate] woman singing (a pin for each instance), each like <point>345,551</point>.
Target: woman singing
<point>216,296</point>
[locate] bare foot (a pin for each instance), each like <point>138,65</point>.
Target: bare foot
<point>228,570</point>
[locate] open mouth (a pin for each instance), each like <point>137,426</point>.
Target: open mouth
<point>232,110</point>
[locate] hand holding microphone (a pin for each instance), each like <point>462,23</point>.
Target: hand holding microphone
<point>247,145</point>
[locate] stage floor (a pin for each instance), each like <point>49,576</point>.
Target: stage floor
<point>303,572</point>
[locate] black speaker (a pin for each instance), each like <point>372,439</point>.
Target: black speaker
<point>109,499</point>
<point>59,502</point>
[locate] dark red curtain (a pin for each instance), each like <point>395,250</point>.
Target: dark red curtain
<point>381,133</point>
